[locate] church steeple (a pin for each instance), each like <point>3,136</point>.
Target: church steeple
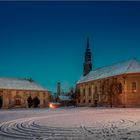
<point>87,63</point>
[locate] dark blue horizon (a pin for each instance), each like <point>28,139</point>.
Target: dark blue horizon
<point>47,40</point>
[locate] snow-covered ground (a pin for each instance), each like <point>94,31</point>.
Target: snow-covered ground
<point>70,124</point>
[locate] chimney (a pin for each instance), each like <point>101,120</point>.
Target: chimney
<point>58,89</point>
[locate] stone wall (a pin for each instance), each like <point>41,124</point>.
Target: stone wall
<point>113,91</point>
<point>12,98</point>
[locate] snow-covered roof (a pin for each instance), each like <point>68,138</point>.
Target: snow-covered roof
<point>64,98</point>
<point>130,66</point>
<point>20,84</point>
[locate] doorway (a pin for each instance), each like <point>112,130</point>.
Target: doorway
<point>95,103</point>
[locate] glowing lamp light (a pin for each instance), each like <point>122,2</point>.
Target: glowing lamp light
<point>54,105</point>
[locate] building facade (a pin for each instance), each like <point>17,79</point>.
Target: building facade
<point>117,85</point>
<point>15,93</point>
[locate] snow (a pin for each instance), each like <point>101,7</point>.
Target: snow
<point>20,84</point>
<point>64,98</point>
<point>130,66</point>
<point>70,123</point>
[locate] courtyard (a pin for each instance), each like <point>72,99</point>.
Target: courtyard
<point>70,124</point>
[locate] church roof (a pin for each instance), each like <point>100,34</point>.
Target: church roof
<point>130,66</point>
<point>20,84</point>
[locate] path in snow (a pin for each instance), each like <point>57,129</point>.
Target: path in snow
<point>74,124</point>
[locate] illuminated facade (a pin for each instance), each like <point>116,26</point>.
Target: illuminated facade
<point>116,85</point>
<point>15,93</point>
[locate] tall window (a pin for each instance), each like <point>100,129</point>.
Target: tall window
<point>95,90</point>
<point>89,91</point>
<point>120,88</point>
<point>84,92</point>
<point>134,87</point>
<point>103,89</point>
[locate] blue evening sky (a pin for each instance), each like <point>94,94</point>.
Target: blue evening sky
<point>47,40</point>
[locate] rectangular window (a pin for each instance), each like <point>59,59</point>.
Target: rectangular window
<point>89,91</point>
<point>44,102</point>
<point>89,101</point>
<point>84,92</point>
<point>103,89</point>
<point>95,90</point>
<point>134,87</point>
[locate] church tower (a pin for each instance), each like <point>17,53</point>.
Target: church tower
<point>87,63</point>
<point>58,89</point>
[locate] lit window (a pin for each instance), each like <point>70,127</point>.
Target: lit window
<point>134,87</point>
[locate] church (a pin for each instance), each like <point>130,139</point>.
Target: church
<point>22,93</point>
<point>116,85</point>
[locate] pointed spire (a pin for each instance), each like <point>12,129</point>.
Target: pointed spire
<point>87,63</point>
<point>87,42</point>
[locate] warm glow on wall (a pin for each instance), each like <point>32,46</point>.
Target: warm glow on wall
<point>54,105</point>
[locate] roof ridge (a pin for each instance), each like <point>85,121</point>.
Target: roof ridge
<point>122,67</point>
<point>20,83</point>
<point>129,65</point>
<point>123,61</point>
<point>16,78</point>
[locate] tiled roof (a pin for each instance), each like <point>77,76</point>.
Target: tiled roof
<point>20,84</point>
<point>130,66</point>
